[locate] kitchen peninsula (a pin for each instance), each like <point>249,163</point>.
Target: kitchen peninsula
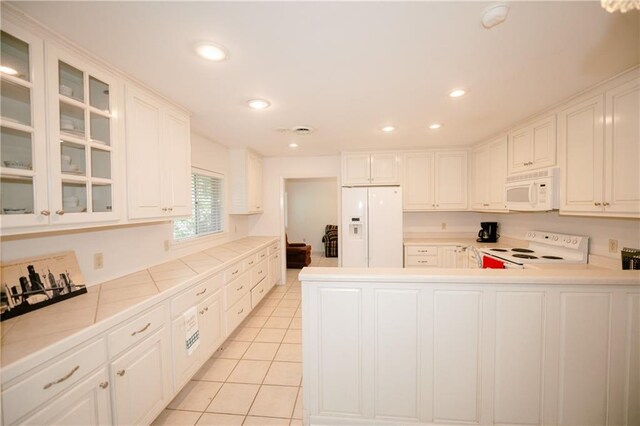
<point>471,346</point>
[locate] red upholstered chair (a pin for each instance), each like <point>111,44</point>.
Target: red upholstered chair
<point>298,254</point>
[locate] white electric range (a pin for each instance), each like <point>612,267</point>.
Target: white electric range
<point>544,247</point>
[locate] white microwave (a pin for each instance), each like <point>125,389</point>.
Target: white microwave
<point>533,191</point>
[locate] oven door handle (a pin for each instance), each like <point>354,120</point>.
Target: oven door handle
<point>509,265</point>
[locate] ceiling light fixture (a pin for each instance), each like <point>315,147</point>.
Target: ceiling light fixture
<point>388,129</point>
<point>457,93</point>
<point>258,104</point>
<point>211,51</point>
<point>7,70</point>
<point>620,5</point>
<point>435,126</point>
<point>494,15</point>
<point>293,145</point>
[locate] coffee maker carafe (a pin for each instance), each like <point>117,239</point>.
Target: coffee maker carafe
<point>488,232</point>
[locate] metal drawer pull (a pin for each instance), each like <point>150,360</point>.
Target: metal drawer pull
<point>121,373</point>
<point>235,272</point>
<point>240,288</point>
<point>55,382</point>
<point>141,330</point>
<point>45,212</point>
<point>261,291</point>
<point>259,272</point>
<point>251,263</point>
<point>60,212</point>
<point>104,385</point>
<point>202,292</point>
<point>605,204</point>
<point>241,311</point>
<point>423,251</point>
<point>596,204</point>
<point>204,310</point>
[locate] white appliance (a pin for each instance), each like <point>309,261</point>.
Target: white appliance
<point>544,247</point>
<point>372,227</point>
<point>533,191</point>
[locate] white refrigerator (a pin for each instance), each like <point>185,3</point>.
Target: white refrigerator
<point>372,227</point>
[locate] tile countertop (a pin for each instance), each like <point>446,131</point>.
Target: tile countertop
<point>103,304</point>
<point>465,241</point>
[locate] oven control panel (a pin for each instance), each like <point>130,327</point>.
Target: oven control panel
<point>560,240</point>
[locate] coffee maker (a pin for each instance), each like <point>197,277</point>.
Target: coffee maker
<point>488,232</point>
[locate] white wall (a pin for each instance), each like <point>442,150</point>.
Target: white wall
<point>311,205</point>
<point>600,230</point>
<point>131,247</point>
<point>434,224</point>
<point>275,169</point>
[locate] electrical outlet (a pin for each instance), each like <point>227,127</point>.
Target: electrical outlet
<point>98,261</point>
<point>613,246</point>
<point>167,245</point>
<point>443,226</point>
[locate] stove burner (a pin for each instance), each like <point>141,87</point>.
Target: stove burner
<point>524,256</point>
<point>552,257</point>
<point>498,249</point>
<point>521,250</point>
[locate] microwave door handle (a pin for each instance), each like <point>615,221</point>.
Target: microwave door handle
<point>532,194</point>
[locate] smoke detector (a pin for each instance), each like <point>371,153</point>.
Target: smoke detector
<point>302,130</point>
<point>494,15</point>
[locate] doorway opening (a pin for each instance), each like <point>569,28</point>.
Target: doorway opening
<point>311,217</point>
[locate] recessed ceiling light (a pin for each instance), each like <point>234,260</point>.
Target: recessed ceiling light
<point>211,51</point>
<point>388,129</point>
<point>293,145</point>
<point>435,126</point>
<point>457,93</point>
<point>7,70</point>
<point>258,104</point>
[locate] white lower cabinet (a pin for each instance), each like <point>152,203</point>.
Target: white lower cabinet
<point>436,353</point>
<point>87,403</point>
<point>275,268</point>
<point>141,379</point>
<point>210,314</point>
<point>434,256</point>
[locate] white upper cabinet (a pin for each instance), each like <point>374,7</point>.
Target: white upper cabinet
<point>158,157</point>
<point>83,141</point>
<point>533,146</point>
<point>59,161</point>
<point>600,151</point>
<point>434,181</point>
<point>246,182</point>
<point>417,181</point>
<point>24,196</point>
<point>488,173</point>
<point>360,169</point>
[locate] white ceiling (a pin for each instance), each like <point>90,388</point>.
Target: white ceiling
<point>348,68</point>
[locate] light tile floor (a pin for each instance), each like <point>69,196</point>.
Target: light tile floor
<point>255,377</point>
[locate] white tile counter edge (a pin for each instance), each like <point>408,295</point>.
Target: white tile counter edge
<point>22,365</point>
<point>473,276</point>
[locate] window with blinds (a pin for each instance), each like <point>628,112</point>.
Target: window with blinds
<point>207,209</point>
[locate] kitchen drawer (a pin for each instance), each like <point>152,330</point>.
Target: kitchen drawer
<point>249,262</point>
<point>234,272</point>
<point>259,273</point>
<point>39,387</point>
<point>258,292</point>
<point>136,330</point>
<point>236,289</point>
<point>238,312</point>
<point>262,255</point>
<point>195,295</point>
<point>421,250</point>
<point>274,248</point>
<point>411,261</point>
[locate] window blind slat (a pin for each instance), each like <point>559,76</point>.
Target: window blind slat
<point>207,208</point>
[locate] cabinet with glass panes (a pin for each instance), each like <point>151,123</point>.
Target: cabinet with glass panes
<point>23,163</point>
<point>82,143</point>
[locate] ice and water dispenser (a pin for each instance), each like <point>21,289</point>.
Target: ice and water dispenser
<point>355,227</point>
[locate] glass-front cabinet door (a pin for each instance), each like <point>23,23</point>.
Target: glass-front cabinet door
<point>23,161</point>
<point>82,125</point>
